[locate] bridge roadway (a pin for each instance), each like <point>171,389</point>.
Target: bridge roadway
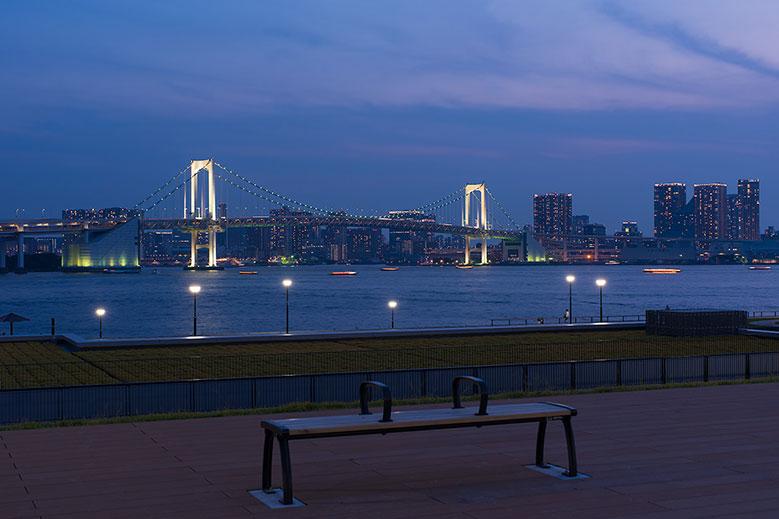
<point>57,227</point>
<point>394,224</point>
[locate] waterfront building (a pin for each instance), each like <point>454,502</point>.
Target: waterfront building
<point>409,246</point>
<point>287,240</point>
<point>250,244</point>
<point>116,248</point>
<point>166,247</point>
<point>334,240</point>
<point>749,209</point>
<point>670,200</point>
<point>364,244</point>
<point>552,215</point>
<point>711,211</point>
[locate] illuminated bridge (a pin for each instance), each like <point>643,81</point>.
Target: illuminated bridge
<point>195,200</point>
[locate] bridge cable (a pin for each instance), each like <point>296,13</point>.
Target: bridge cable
<point>163,186</point>
<point>503,209</point>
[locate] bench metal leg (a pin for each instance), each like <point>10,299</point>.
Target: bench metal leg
<point>286,470</point>
<point>267,463</point>
<point>572,468</point>
<point>540,443</point>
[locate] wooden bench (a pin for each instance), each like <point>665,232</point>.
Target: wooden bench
<point>404,421</point>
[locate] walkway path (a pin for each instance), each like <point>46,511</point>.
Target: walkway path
<point>679,453</point>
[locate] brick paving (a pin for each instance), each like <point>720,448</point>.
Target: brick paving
<point>677,453</point>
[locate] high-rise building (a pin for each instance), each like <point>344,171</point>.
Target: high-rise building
<point>734,217</point>
<point>749,209</point>
<point>552,215</point>
<point>670,199</point>
<point>409,246</point>
<point>289,238</point>
<point>711,211</point>
<point>364,244</point>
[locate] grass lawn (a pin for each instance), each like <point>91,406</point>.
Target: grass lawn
<point>37,364</point>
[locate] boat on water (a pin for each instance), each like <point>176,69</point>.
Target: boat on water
<point>248,272</point>
<point>759,267</point>
<point>343,273</point>
<point>613,262</point>
<point>390,269</point>
<point>464,266</point>
<point>662,271</point>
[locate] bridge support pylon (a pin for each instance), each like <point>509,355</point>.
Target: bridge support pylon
<point>481,220</point>
<point>20,269</point>
<point>200,213</point>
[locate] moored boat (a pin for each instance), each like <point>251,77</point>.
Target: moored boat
<point>662,271</point>
<point>343,273</point>
<point>390,269</point>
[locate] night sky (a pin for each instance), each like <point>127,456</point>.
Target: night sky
<point>387,105</point>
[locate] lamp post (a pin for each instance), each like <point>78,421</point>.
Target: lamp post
<point>194,290</point>
<point>100,312</point>
<point>601,283</point>
<point>570,279</point>
<point>392,306</point>
<point>287,283</point>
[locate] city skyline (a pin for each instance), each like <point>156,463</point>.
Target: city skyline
<point>639,94</point>
<point>647,226</point>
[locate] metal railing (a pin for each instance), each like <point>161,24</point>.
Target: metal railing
<point>764,313</point>
<point>532,321</point>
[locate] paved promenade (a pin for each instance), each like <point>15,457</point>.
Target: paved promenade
<point>679,453</point>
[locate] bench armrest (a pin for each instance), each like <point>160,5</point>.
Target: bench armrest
<point>477,382</point>
<point>386,395</point>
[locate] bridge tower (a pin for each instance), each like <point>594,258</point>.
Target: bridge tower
<point>481,220</point>
<point>200,211</point>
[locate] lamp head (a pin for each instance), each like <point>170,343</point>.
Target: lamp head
<point>392,304</point>
<point>100,312</point>
<point>195,289</point>
<point>600,282</point>
<point>570,279</point>
<point>287,283</point>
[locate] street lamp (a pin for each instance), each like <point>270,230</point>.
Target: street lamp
<point>287,283</point>
<point>601,283</point>
<point>194,290</point>
<point>570,279</point>
<point>100,312</point>
<point>392,306</point>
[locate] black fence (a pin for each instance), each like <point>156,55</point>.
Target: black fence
<point>133,399</point>
<point>40,381</point>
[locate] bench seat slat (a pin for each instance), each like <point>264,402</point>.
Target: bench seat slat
<point>412,419</point>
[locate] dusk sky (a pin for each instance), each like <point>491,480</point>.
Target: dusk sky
<point>388,105</point>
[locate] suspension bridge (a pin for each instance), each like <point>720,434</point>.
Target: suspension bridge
<point>197,197</point>
<point>196,187</point>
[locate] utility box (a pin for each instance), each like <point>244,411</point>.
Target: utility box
<point>695,323</point>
